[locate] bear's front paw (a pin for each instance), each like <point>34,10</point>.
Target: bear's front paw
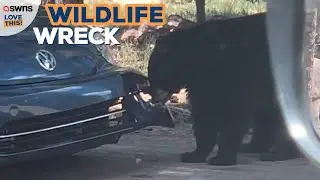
<point>220,161</point>
<point>193,157</point>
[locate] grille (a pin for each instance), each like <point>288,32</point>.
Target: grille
<point>55,119</point>
<point>98,123</point>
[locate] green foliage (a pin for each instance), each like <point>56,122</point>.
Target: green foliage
<point>137,57</point>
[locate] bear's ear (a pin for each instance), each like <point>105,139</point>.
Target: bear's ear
<point>175,17</point>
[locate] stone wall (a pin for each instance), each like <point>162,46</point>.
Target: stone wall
<point>312,64</point>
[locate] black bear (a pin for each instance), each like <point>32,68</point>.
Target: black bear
<point>224,64</point>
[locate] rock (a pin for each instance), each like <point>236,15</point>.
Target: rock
<point>138,160</point>
<point>131,35</point>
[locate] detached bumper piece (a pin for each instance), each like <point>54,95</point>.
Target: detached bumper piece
<point>148,114</point>
<point>144,112</point>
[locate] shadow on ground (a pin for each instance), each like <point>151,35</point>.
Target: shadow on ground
<point>77,167</point>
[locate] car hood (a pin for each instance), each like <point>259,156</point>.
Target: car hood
<point>19,65</point>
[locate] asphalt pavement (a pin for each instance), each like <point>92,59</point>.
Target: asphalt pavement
<point>154,154</point>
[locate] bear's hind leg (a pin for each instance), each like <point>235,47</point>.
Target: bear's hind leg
<point>205,132</point>
<point>231,138</point>
<point>205,141</point>
<point>284,148</point>
<point>264,131</point>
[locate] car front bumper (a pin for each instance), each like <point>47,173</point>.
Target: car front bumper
<point>66,119</point>
<point>67,148</point>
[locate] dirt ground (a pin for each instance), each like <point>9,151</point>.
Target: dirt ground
<point>154,154</point>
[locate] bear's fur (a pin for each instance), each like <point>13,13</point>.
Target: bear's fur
<point>224,64</point>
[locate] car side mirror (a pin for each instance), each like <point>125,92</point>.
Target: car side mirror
<point>287,42</point>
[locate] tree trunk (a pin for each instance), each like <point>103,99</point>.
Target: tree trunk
<point>201,12</point>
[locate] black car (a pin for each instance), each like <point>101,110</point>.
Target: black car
<point>63,99</point>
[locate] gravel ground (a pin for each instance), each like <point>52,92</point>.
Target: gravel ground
<point>154,154</point>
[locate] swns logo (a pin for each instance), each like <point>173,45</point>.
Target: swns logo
<point>17,8</point>
<point>17,15</point>
<point>12,18</point>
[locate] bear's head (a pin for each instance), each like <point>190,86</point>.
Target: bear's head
<point>169,65</point>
